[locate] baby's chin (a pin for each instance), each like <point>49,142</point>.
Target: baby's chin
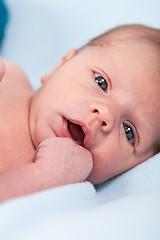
<point>94,178</point>
<point>98,176</point>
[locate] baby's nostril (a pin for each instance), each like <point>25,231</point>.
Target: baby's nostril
<point>104,124</point>
<point>95,111</point>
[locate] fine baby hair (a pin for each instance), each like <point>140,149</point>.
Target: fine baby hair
<point>128,32</point>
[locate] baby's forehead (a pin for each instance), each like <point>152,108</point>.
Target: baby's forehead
<point>141,53</point>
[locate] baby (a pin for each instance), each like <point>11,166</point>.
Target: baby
<point>96,115</point>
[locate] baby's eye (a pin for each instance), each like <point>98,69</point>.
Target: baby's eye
<point>101,82</point>
<point>129,133</point>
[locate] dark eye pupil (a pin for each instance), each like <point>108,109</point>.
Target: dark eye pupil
<point>129,133</point>
<point>102,83</point>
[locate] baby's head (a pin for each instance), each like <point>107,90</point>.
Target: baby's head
<point>105,97</point>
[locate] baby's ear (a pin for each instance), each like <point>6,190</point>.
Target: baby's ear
<point>72,52</point>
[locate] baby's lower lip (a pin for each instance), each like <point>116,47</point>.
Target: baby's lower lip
<point>2,68</point>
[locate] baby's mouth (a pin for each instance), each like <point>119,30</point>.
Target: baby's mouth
<point>76,133</point>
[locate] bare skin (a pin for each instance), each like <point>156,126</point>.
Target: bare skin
<point>15,96</point>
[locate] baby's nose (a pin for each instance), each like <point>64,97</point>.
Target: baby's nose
<point>105,115</point>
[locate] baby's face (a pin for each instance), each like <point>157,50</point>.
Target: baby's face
<point>105,100</point>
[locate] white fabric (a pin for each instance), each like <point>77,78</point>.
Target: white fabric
<point>125,207</point>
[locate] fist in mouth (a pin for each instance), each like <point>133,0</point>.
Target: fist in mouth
<point>64,160</point>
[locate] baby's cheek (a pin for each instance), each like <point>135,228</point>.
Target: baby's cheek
<point>106,164</point>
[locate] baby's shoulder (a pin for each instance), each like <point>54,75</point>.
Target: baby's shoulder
<point>15,88</point>
<point>15,76</point>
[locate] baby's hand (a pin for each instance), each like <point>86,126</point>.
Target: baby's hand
<point>2,69</point>
<point>58,161</point>
<point>65,161</point>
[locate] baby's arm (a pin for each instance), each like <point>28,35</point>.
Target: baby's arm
<point>59,161</point>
